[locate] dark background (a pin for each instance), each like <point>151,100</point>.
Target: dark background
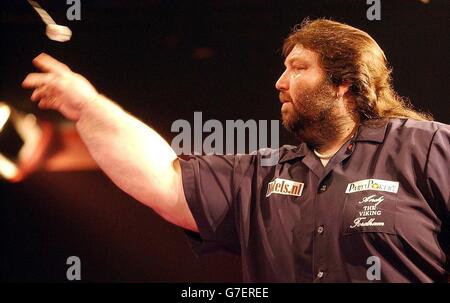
<point>144,55</point>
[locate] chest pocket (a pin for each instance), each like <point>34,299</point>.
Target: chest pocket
<point>369,211</point>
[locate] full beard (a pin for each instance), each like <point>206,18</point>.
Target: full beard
<point>313,117</point>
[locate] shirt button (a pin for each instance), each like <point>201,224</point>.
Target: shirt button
<point>349,148</point>
<point>320,229</point>
<point>323,188</point>
<point>320,274</point>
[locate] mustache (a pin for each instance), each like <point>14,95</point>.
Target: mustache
<point>284,97</point>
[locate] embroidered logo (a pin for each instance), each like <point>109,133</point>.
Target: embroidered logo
<point>369,212</point>
<point>372,184</point>
<point>285,187</point>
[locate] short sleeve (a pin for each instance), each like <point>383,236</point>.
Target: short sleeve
<point>209,184</point>
<point>438,168</point>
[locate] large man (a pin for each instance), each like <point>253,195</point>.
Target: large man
<point>364,197</point>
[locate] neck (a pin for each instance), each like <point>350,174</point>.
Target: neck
<point>328,135</point>
<point>334,144</point>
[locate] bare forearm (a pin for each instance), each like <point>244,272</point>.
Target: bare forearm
<point>135,157</point>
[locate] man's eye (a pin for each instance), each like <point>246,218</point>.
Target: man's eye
<point>298,67</point>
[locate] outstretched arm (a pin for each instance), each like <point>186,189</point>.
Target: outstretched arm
<point>134,156</point>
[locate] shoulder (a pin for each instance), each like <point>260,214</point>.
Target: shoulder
<point>273,156</point>
<point>272,151</point>
<point>412,141</point>
<point>414,130</point>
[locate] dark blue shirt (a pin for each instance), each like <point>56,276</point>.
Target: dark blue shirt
<point>378,211</point>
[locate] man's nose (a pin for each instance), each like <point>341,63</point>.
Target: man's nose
<point>282,84</point>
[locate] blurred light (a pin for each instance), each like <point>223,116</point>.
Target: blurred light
<point>21,143</point>
<point>8,170</point>
<point>5,112</point>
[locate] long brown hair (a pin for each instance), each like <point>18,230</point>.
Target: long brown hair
<point>350,55</point>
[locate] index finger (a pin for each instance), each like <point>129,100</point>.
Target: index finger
<point>47,63</point>
<point>33,80</point>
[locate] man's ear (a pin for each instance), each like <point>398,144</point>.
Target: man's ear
<point>343,88</point>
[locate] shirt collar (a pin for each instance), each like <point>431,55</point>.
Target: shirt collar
<point>294,152</point>
<point>373,132</point>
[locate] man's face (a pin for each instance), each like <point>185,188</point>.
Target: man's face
<point>307,96</point>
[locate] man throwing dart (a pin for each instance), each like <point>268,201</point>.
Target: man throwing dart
<point>365,197</point>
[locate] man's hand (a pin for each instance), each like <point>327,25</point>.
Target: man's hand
<point>134,156</point>
<point>58,88</point>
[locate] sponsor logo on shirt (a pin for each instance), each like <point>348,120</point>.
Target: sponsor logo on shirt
<point>372,184</point>
<point>284,187</point>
